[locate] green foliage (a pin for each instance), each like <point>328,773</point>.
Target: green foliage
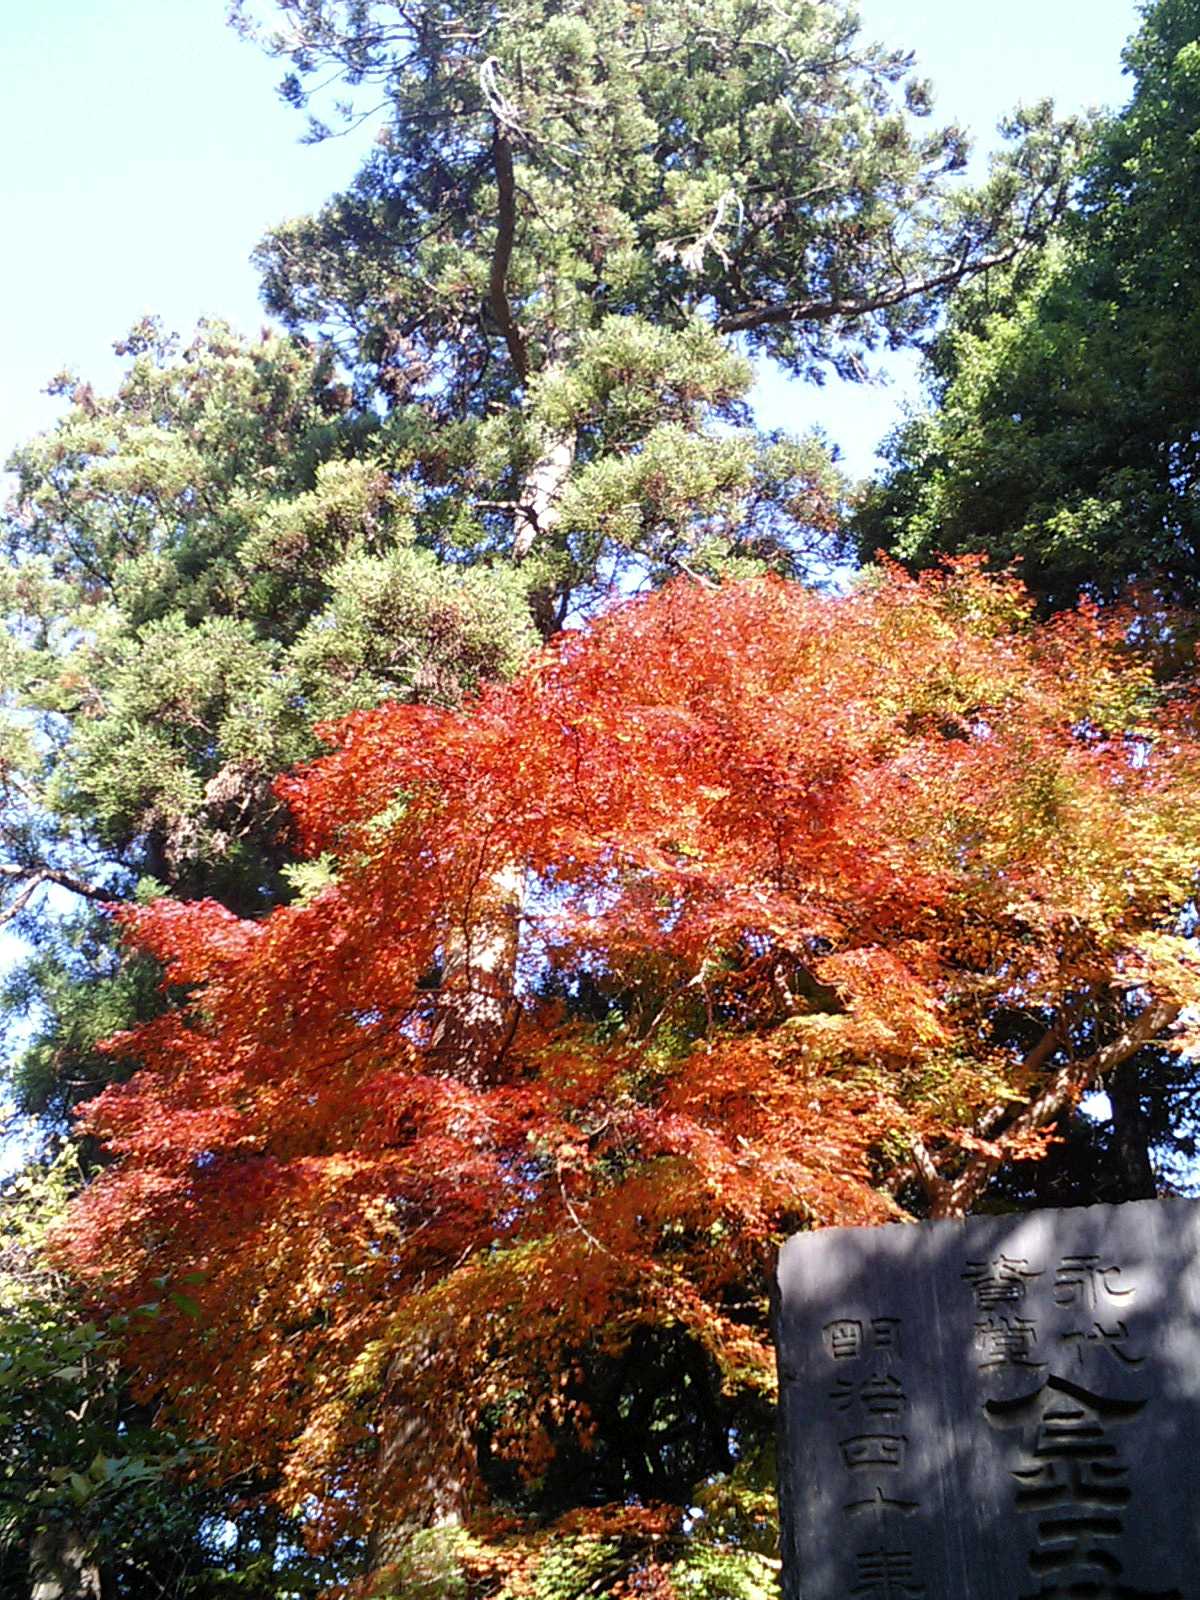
<point>203,566</point>
<point>77,989</point>
<point>429,1567</point>
<point>706,1573</point>
<point>566,217</point>
<point>402,626</point>
<point>764,165</point>
<point>575,1567</point>
<point>1065,425</point>
<point>66,1458</point>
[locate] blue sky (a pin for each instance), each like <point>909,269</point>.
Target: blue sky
<point>146,153</point>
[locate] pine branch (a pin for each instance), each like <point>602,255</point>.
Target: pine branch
<point>827,310</point>
<point>39,876</point>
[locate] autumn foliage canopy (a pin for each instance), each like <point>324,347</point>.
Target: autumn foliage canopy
<point>795,877</point>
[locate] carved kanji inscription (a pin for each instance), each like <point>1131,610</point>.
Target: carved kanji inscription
<point>1006,1408</point>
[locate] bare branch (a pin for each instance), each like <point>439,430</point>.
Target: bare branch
<point>922,1168</point>
<point>696,577</point>
<point>39,876</point>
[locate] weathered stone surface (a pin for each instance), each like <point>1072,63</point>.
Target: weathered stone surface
<point>1006,1408</point>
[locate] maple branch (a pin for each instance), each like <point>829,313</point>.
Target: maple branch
<point>690,572</point>
<point>954,1198</point>
<point>922,1167</point>
<point>826,310</point>
<point>1055,1036</point>
<point>506,230</point>
<point>575,1217</point>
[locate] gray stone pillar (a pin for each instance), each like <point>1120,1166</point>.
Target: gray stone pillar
<point>1006,1408</point>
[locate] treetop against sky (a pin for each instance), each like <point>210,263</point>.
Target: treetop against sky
<point>154,155</point>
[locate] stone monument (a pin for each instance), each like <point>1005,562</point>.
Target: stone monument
<point>1006,1408</point>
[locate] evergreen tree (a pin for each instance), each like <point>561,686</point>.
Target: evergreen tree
<point>201,568</point>
<point>1065,418</point>
<point>570,212</point>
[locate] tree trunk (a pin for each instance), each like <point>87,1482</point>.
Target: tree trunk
<point>60,1567</point>
<point>476,1006</point>
<point>477,1016</point>
<point>541,493</point>
<point>1131,1134</point>
<point>538,513</point>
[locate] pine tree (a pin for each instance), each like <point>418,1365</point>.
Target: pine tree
<point>572,212</point>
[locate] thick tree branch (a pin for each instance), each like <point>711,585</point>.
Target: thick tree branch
<point>36,878</point>
<point>955,1198</point>
<point>826,310</point>
<point>922,1168</point>
<point>506,228</point>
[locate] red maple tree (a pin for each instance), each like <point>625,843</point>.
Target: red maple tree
<point>731,916</point>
